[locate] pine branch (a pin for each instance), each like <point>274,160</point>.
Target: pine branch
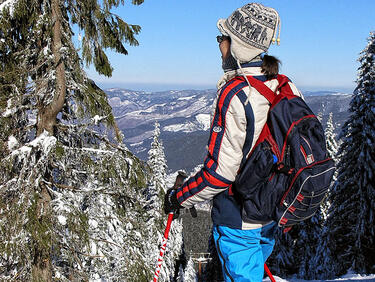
<point>68,187</point>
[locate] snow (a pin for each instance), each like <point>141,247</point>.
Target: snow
<point>57,274</point>
<point>93,223</point>
<point>347,277</point>
<point>93,248</point>
<point>45,50</point>
<point>62,220</point>
<point>116,102</point>
<point>186,98</point>
<point>185,127</point>
<point>9,4</point>
<point>97,150</point>
<point>129,226</point>
<point>12,143</point>
<point>203,123</point>
<point>97,118</point>
<point>152,108</point>
<point>45,141</point>
<point>204,120</point>
<point>9,110</point>
<point>96,277</point>
<point>136,144</point>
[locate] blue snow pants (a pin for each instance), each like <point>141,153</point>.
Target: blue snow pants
<point>243,252</point>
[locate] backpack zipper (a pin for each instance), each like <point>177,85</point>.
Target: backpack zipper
<point>290,130</point>
<point>282,202</point>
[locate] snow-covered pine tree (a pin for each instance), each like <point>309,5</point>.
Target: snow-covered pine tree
<point>319,116</point>
<point>322,254</point>
<point>156,219</point>
<point>71,206</point>
<point>331,139</point>
<point>332,148</point>
<point>321,266</point>
<point>283,261</point>
<point>190,274</point>
<point>306,245</point>
<point>158,163</point>
<point>351,237</point>
<point>154,194</point>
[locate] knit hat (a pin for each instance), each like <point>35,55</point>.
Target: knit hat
<point>251,28</point>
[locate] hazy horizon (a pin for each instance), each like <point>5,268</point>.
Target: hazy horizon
<point>155,87</point>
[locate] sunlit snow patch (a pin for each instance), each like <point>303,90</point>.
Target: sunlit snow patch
<point>185,127</point>
<point>204,120</point>
<point>62,220</point>
<point>12,143</point>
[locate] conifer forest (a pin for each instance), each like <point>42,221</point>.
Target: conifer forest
<point>76,204</point>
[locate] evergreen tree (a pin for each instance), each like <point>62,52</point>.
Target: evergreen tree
<point>321,266</point>
<point>332,148</point>
<point>157,161</point>
<point>319,116</point>
<point>156,219</point>
<point>306,245</point>
<point>213,270</point>
<point>190,274</point>
<point>283,260</point>
<point>320,259</point>
<point>158,165</point>
<point>332,145</point>
<point>351,217</point>
<point>70,200</point>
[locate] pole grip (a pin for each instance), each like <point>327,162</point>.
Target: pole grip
<point>168,227</point>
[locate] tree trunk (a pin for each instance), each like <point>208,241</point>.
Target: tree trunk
<point>47,113</point>
<point>41,267</point>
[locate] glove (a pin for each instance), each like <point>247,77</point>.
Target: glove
<point>171,203</point>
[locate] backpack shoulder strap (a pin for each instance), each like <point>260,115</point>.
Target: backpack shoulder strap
<point>284,85</point>
<point>282,79</point>
<point>262,88</point>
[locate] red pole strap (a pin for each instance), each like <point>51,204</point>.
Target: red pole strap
<point>163,247</point>
<point>269,273</point>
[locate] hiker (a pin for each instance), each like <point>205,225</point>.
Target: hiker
<point>239,115</point>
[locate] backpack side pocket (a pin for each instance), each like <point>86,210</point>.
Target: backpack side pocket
<point>255,172</point>
<point>253,184</point>
<point>306,192</point>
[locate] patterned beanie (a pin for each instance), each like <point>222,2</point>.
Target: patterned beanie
<point>251,28</point>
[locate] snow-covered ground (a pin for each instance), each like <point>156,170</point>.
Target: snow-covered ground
<point>347,277</point>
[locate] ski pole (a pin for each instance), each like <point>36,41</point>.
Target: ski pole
<point>181,176</point>
<point>269,273</point>
<point>163,247</point>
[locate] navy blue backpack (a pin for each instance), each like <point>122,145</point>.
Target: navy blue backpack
<point>288,172</point>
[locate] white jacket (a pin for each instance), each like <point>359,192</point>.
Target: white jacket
<point>235,128</point>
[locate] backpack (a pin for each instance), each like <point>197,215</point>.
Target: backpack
<point>288,173</point>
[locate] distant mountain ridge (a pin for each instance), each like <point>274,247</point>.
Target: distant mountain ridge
<point>184,117</point>
<point>322,93</point>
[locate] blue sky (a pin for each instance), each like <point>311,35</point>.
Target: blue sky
<point>320,43</point>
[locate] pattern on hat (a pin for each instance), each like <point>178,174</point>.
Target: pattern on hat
<point>254,24</point>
